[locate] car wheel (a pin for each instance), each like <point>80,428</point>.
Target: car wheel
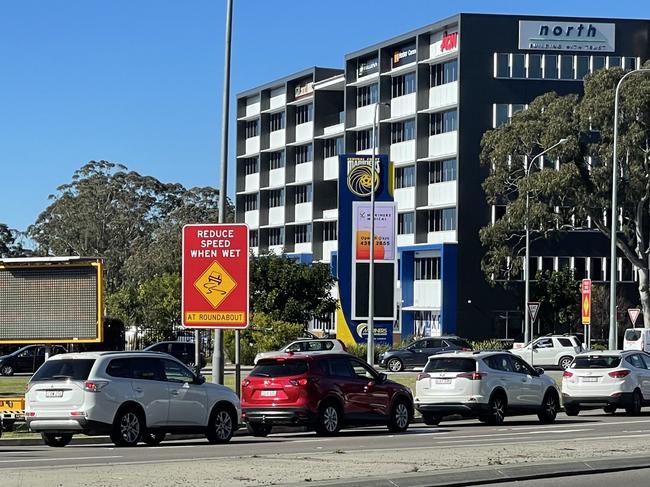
<point>571,410</point>
<point>565,362</point>
<point>431,419</point>
<point>259,429</point>
<point>329,419</point>
<point>634,409</point>
<point>153,438</point>
<point>127,427</point>
<point>609,409</point>
<point>496,412</point>
<point>222,426</point>
<point>6,370</point>
<point>549,408</point>
<point>56,440</point>
<point>395,365</point>
<point>400,417</point>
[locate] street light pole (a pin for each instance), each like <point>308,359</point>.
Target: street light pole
<point>613,332</point>
<point>528,327</point>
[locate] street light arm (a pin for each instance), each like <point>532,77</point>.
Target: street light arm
<point>532,161</point>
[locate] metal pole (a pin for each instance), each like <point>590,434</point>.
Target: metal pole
<point>237,364</point>
<point>371,271</point>
<point>217,354</point>
<point>613,328</point>
<point>528,326</point>
<point>197,351</point>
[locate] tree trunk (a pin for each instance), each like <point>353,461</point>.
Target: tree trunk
<point>644,296</point>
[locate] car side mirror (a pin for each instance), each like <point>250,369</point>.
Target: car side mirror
<point>382,378</point>
<point>539,371</point>
<point>199,379</point>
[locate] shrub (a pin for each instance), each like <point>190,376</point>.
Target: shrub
<point>360,350</point>
<point>492,344</point>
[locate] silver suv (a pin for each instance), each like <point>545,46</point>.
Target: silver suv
<point>132,396</point>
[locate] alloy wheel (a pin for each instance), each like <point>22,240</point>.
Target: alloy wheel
<point>223,425</point>
<point>330,419</point>
<point>394,365</point>
<point>130,427</point>
<point>401,415</point>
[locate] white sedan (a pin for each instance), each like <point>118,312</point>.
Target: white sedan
<point>610,379</point>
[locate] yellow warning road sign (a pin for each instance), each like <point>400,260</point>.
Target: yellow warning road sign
<point>215,284</point>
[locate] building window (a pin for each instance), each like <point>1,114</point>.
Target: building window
<point>613,61</point>
<point>442,220</point>
<point>629,63</point>
<point>304,113</point>
<point>402,131</point>
<point>276,121</point>
<point>250,202</point>
<point>251,129</point>
<point>444,73</point>
<point>303,194</point>
<point>333,147</point>
<point>582,66</point>
<point>403,85</point>
<point>518,66</point>
<point>501,65</point>
<point>550,66</point>
<point>324,323</point>
<point>566,67</point>
<point>276,160</point>
<point>427,268</point>
<point>303,233</point>
<point>254,238</point>
<point>597,62</point>
<point>503,112</point>
<point>367,95</point>
<point>364,140</point>
<point>534,66</point>
<point>442,171</point>
<point>276,236</point>
<point>251,166</point>
<point>405,223</point>
<point>404,177</point>
<point>443,122</point>
<point>304,154</point>
<point>276,198</point>
<point>329,231</point>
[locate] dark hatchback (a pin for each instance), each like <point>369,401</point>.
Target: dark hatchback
<point>27,359</point>
<point>418,352</point>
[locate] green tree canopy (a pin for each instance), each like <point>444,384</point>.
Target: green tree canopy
<point>559,295</point>
<point>573,182</point>
<point>288,291</point>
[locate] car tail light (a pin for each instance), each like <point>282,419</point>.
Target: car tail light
<point>619,374</point>
<point>465,349</point>
<point>94,385</point>
<point>77,413</point>
<point>471,375</point>
<point>245,383</point>
<point>567,374</point>
<point>303,381</point>
<point>422,375</point>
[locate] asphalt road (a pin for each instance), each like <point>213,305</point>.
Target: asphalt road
<point>638,477</point>
<point>518,440</point>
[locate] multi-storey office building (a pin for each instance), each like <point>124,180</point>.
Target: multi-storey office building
<point>439,89</point>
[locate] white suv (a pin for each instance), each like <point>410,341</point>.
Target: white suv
<point>550,351</point>
<point>306,346</point>
<point>487,385</point>
<point>611,380</point>
<point>132,396</point>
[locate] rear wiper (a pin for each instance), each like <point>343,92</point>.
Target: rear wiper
<point>61,377</point>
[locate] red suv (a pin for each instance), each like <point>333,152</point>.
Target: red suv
<point>325,391</point>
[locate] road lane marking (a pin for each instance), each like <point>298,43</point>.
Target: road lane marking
<point>49,459</point>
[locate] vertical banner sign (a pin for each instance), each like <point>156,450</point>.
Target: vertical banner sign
<point>633,313</point>
<point>586,301</point>
<point>215,276</point>
<point>353,258</point>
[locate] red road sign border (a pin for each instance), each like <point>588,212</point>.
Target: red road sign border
<point>248,278</point>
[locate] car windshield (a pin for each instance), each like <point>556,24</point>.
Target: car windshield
<point>459,342</point>
<point>632,335</point>
<point>279,368</point>
<point>450,365</point>
<point>74,369</point>
<point>596,362</point>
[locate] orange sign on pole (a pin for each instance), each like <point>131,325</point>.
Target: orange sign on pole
<point>586,301</point>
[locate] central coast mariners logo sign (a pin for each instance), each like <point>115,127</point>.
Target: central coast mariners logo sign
<point>360,176</point>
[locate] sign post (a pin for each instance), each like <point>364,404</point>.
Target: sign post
<point>533,310</point>
<point>633,313</point>
<point>586,310</point>
<point>215,283</point>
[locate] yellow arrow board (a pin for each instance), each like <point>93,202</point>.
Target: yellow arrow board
<point>215,284</point>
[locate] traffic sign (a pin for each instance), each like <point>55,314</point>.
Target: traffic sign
<point>215,276</point>
<point>533,309</point>
<point>586,301</point>
<point>633,313</point>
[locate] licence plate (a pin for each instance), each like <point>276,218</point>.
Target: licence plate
<point>590,379</point>
<point>269,393</point>
<point>53,393</point>
<point>443,381</point>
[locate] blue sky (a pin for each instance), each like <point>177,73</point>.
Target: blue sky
<point>140,82</point>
